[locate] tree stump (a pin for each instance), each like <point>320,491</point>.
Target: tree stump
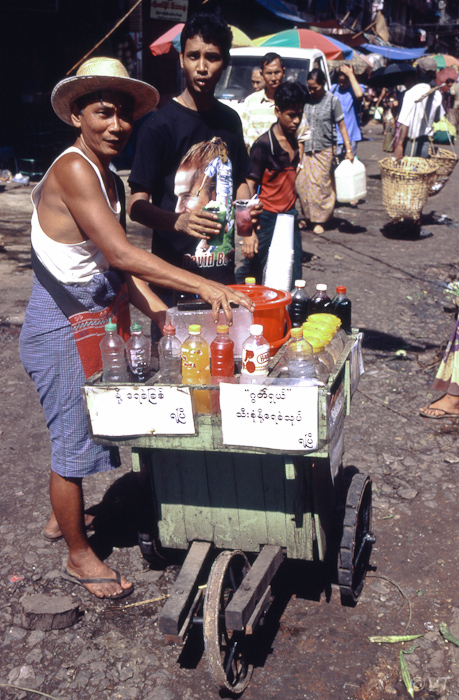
<point>42,612</point>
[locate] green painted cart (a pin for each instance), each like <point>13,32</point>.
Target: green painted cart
<point>225,502</point>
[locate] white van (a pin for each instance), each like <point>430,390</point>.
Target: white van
<point>235,83</point>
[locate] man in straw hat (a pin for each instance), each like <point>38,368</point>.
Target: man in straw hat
<point>167,173</point>
<point>81,256</point>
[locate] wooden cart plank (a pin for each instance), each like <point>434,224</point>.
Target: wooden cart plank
<point>250,502</point>
<point>300,528</point>
<point>245,600</point>
<point>168,498</point>
<point>223,500</point>
<point>195,497</point>
<point>175,610</point>
<point>274,498</point>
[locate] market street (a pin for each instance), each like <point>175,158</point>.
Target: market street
<point>311,646</point>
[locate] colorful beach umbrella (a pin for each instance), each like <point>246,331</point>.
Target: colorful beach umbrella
<point>171,38</point>
<point>165,42</point>
<point>306,39</point>
<point>444,60</point>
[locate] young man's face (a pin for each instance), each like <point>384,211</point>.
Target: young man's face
<point>289,120</point>
<point>105,123</point>
<point>273,74</point>
<point>203,65</point>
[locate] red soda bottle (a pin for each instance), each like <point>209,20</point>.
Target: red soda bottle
<point>222,354</point>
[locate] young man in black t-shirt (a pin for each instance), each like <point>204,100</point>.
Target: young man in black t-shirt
<point>188,153</point>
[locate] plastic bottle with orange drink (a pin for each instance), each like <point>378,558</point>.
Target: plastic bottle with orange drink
<point>196,366</point>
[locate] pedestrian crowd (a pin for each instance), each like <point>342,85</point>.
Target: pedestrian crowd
<point>192,151</point>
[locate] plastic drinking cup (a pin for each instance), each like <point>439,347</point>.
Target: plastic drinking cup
<point>243,218</point>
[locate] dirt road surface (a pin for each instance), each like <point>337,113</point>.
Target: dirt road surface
<point>312,647</point>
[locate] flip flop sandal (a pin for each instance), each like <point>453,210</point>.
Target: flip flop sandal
<point>443,414</point>
<point>67,576</point>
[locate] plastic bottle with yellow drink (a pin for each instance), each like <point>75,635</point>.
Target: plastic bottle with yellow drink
<point>196,366</point>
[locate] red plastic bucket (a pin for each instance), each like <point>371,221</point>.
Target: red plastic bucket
<point>270,312</point>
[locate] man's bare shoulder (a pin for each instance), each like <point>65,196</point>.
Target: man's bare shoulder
<point>70,171</point>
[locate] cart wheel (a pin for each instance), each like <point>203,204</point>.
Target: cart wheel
<point>356,541</point>
<point>226,650</point>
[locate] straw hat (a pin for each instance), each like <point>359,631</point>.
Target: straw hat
<point>98,74</point>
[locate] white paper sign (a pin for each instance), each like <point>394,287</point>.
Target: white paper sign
<point>272,417</point>
<point>142,410</point>
<point>170,10</point>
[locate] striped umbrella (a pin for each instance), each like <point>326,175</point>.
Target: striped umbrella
<point>171,38</point>
<point>444,60</point>
<point>306,39</point>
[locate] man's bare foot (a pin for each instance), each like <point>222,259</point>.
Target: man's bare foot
<point>318,229</point>
<point>447,405</point>
<point>52,531</point>
<point>89,566</point>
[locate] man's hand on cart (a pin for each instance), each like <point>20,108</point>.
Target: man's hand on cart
<point>220,297</point>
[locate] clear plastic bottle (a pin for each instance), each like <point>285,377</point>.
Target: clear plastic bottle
<point>170,356</point>
<point>299,356</point>
<point>222,353</point>
<point>320,302</point>
<point>138,351</point>
<point>323,361</point>
<point>113,351</point>
<point>255,357</point>
<point>342,307</point>
<point>196,366</point>
<point>299,307</point>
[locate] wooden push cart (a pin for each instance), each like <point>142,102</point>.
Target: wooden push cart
<point>262,477</point>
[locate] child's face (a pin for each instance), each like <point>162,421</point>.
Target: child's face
<point>289,120</point>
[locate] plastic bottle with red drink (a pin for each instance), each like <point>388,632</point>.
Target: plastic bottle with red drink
<point>255,357</point>
<point>342,307</point>
<point>222,354</point>
<point>221,363</point>
<point>320,302</point>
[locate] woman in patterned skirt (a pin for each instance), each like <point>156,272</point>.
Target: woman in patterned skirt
<point>316,137</point>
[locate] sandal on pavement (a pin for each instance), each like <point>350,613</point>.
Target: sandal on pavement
<point>67,576</point>
<point>442,413</point>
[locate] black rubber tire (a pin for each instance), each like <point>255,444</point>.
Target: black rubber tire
<point>357,539</point>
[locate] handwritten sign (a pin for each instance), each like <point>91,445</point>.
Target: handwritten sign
<point>144,410</point>
<point>272,417</point>
<point>170,10</point>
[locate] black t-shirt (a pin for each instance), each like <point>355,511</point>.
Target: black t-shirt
<point>185,159</point>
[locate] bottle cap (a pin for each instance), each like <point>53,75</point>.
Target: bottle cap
<point>195,329</point>
<point>135,327</point>
<point>223,329</point>
<point>296,333</point>
<point>110,326</point>
<point>300,283</point>
<point>169,329</point>
<point>341,290</point>
<point>250,280</point>
<point>321,287</point>
<point>256,329</point>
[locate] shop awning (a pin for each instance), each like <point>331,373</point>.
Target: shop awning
<point>278,8</point>
<point>395,53</point>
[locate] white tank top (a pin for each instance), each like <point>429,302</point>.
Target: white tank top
<point>70,263</point>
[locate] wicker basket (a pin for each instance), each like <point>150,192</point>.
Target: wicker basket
<point>406,185</point>
<point>446,161</point>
